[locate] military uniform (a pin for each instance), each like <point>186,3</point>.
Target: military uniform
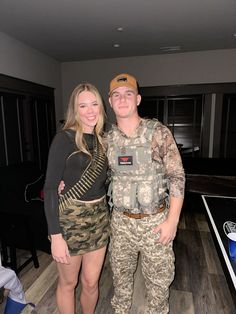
<point>145,169</point>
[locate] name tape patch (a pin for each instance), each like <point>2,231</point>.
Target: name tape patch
<point>125,160</point>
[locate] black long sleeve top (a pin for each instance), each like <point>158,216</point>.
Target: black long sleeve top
<point>66,163</point>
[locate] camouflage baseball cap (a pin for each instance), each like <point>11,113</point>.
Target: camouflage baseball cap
<point>123,80</point>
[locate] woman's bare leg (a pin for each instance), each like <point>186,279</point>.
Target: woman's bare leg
<point>91,268</point>
<point>68,278</point>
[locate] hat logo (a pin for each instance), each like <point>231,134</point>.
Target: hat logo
<point>122,79</point>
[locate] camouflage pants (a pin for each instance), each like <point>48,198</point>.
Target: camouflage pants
<point>85,226</point>
<point>129,237</point>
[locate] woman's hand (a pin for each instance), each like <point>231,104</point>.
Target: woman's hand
<point>59,248</point>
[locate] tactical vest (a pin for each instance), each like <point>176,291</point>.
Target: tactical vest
<point>137,181</point>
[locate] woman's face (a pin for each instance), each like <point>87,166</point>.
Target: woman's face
<point>88,110</point>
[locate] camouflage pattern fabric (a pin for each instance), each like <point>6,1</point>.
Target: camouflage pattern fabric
<point>138,183</point>
<point>85,226</point>
<point>145,168</point>
<point>129,237</point>
<point>166,151</point>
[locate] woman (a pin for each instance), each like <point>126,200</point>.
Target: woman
<point>78,219</point>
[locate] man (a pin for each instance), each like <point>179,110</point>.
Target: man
<point>147,186</point>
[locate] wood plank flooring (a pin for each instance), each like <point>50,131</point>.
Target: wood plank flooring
<point>199,287</point>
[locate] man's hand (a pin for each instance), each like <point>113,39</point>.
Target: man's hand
<point>61,187</point>
<point>167,231</point>
<point>168,228</point>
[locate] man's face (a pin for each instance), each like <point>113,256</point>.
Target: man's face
<point>124,101</point>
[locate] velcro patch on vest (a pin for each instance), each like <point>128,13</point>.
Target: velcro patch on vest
<point>125,160</point>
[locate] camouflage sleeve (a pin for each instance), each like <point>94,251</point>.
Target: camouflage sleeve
<point>165,151</point>
<point>105,144</point>
<point>104,141</point>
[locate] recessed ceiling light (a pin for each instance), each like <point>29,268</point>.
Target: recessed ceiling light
<point>116,45</point>
<point>234,35</point>
<point>120,29</point>
<point>170,48</point>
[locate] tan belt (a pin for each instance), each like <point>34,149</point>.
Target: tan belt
<point>141,215</point>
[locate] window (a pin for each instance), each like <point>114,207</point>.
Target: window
<point>27,122</point>
<point>183,116</point>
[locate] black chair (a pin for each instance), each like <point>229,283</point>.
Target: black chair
<point>16,233</point>
<point>22,219</point>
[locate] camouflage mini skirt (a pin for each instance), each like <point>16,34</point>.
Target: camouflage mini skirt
<point>85,226</point>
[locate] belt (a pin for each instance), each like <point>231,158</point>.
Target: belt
<point>141,215</point>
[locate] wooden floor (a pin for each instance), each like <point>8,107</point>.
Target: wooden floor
<point>199,287</point>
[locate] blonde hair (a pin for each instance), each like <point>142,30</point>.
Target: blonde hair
<point>72,120</point>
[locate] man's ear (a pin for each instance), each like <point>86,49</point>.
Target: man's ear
<point>139,98</point>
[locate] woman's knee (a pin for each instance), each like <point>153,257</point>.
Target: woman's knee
<point>68,284</point>
<point>89,284</point>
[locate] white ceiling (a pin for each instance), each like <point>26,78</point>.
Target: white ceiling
<point>74,30</point>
